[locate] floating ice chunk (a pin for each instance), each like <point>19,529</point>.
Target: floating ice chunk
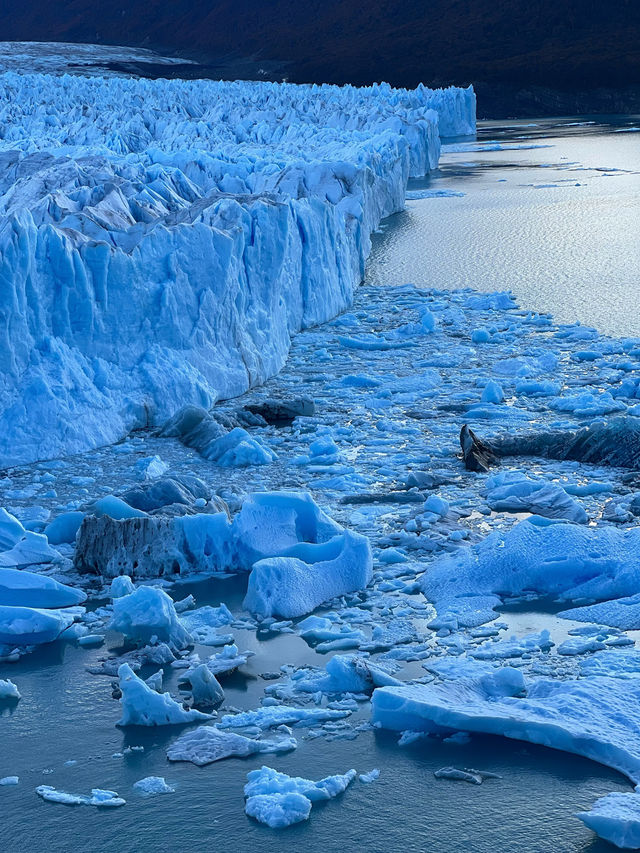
<point>8,690</point>
<point>9,780</point>
<point>11,530</point>
<point>228,660</point>
<point>492,393</point>
<point>513,648</point>
<point>309,574</point>
<point>146,614</point>
<point>616,818</point>
<point>270,523</point>
<point>278,810</point>
<point>115,508</point>
<point>458,775</point>
<point>553,559</point>
<point>142,706</point>
<point>20,588</point>
<point>205,688</point>
<point>99,797</point>
<point>513,491</point>
<point>203,622</point>
<point>207,744</point>
<point>32,549</point>
<point>369,777</point>
<point>152,785</point>
<point>120,586</point>
<point>279,800</point>
<point>239,449</point>
<point>151,468</point>
<point>594,717</point>
<point>29,626</point>
<point>64,527</point>
<point>271,716</point>
<point>344,674</point>
<point>580,646</point>
<point>437,505</point>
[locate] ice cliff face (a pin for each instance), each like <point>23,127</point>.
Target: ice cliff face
<point>161,241</point>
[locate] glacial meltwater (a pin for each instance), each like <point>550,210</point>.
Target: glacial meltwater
<point>547,209</point>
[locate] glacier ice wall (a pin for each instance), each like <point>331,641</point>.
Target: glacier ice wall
<point>161,241</point>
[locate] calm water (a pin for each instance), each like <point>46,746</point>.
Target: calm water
<point>66,714</point>
<point>557,224</point>
<point>569,249</point>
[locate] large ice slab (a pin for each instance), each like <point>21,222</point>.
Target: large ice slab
<point>565,561</point>
<point>596,717</point>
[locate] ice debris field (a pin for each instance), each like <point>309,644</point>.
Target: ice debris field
<point>155,270</point>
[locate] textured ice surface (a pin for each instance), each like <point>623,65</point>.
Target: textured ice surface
<point>550,559</point>
<point>27,589</point>
<point>207,744</point>
<point>30,626</point>
<point>149,613</point>
<point>308,575</point>
<point>183,229</point>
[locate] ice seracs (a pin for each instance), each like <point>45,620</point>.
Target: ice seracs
<point>107,198</point>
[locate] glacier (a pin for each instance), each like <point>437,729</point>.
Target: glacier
<point>162,241</point>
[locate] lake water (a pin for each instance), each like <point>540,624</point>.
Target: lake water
<point>554,216</point>
<point>572,250</point>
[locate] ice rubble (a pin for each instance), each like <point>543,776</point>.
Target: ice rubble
<point>596,717</point>
<point>565,561</point>
<point>183,229</point>
<point>279,800</point>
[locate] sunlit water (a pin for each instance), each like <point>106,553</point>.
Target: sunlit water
<point>558,224</point>
<point>569,249</point>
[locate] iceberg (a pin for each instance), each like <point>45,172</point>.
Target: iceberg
<point>279,800</point>
<point>142,706</point>
<point>27,589</point>
<point>30,626</point>
<point>99,797</point>
<point>148,615</point>
<point>309,574</point>
<point>616,818</point>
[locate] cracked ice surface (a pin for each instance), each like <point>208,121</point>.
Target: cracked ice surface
<point>161,241</point>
